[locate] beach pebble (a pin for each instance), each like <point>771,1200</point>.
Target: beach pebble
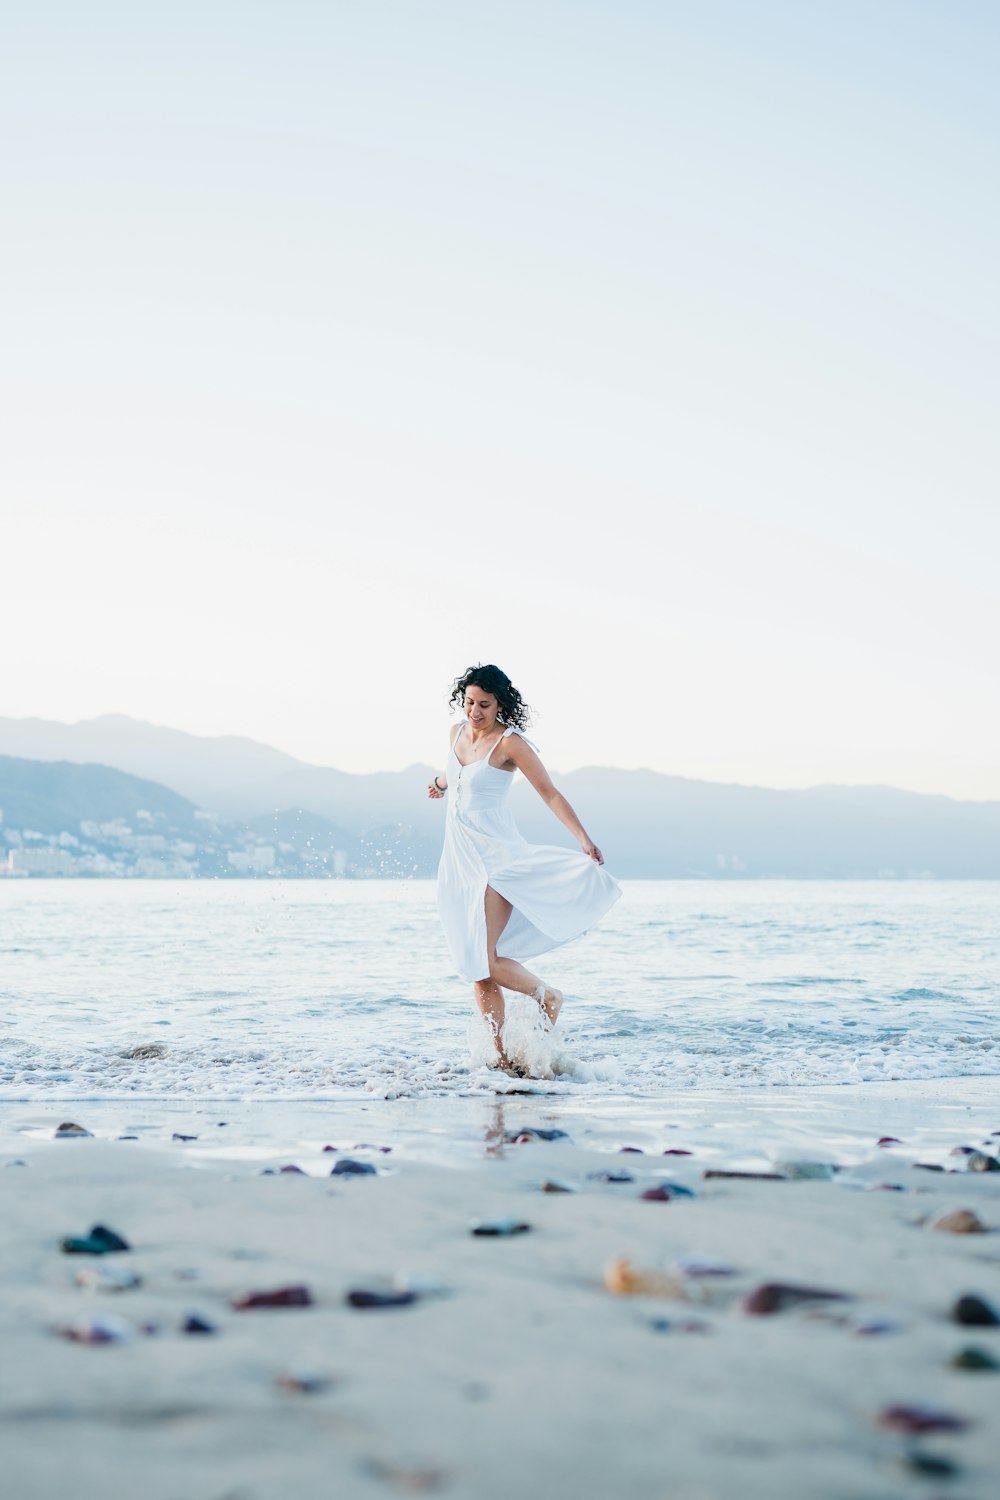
<point>104,1330</point>
<point>348,1168</point>
<point>776,1296</point>
<point>103,1278</point>
<point>146,1050</point>
<point>100,1241</point>
<point>295,1171</point>
<point>128,1137</point>
<point>874,1326</point>
<point>685,1325</point>
<point>975,1312</point>
<point>17,1163</point>
<point>283,1296</point>
<point>610,1177</point>
<point>934,1465</point>
<point>960,1221</point>
<point>662,1192</point>
<point>630,1151</point>
<point>363,1297</point>
<point>927,1166</point>
<point>194,1324</point>
<point>499,1227</point>
<point>806,1171</point>
<point>331,1148</point>
<point>677,1151</point>
<point>550,1186</point>
<point>972,1358</point>
<point>721,1174</point>
<point>693,1266</point>
<point>888,1140</point>
<point>623,1279</point>
<point>533,1133</point>
<point>304,1382</point>
<point>979,1161</point>
<point>70,1132</point>
<point>920,1419</point>
<point>178,1136</point>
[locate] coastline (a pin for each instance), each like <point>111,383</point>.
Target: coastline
<point>516,1368</point>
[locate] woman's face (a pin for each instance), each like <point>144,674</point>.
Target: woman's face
<point>480,707</point>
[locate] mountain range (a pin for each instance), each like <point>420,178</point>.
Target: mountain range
<point>648,824</point>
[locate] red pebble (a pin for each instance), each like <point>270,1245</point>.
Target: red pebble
<point>630,1151</point>
<point>656,1195</point>
<point>775,1296</point>
<point>677,1151</point>
<point>920,1419</point>
<point>889,1140</point>
<point>283,1296</point>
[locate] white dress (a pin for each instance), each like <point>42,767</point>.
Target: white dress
<point>557,894</point>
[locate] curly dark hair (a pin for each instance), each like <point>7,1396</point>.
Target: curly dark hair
<point>511,707</point>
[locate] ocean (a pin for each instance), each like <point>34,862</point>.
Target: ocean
<point>338,990</point>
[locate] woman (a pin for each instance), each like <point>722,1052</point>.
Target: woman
<point>500,898</point>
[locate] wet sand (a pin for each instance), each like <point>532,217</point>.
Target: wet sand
<point>515,1370</point>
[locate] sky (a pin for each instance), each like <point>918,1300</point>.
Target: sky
<point>646,349</point>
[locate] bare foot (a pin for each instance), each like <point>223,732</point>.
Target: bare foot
<point>550,1000</point>
<point>505,1064</point>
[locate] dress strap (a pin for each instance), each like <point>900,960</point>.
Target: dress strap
<point>513,729</point>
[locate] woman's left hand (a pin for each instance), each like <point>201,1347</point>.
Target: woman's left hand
<point>592,852</point>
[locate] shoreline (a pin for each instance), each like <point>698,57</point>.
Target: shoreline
<point>777,1117</point>
<point>515,1367</point>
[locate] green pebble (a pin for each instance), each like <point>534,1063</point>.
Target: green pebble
<point>974,1359</point>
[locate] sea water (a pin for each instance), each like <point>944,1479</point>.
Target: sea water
<point>319,991</point>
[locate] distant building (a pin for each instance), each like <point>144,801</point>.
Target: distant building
<point>46,861</point>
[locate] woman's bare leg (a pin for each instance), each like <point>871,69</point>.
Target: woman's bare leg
<point>507,971</point>
<point>489,999</point>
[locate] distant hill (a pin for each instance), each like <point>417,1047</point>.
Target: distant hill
<point>653,825</point>
<point>208,770</point>
<point>53,796</point>
<point>648,824</point>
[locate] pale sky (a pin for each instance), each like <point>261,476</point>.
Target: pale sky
<point>647,349</point>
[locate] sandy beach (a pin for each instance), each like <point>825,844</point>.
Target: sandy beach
<point>514,1368</point>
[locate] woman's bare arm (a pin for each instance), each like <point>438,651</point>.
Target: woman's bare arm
<point>529,763</point>
<point>439,785</point>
